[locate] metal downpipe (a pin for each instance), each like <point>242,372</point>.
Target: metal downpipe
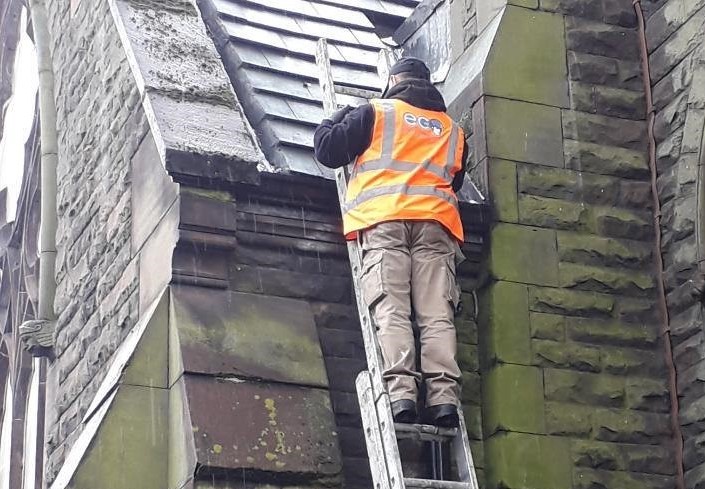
<point>661,288</point>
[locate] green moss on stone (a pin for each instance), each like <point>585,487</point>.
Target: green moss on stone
<point>547,326</point>
<point>614,333</point>
<point>607,280</point>
<point>570,302</point>
<point>567,355</point>
<point>571,185</point>
<point>528,57</point>
<point>606,160</point>
<point>524,254</point>
<point>502,177</point>
<point>513,399</point>
<point>149,365</point>
<point>524,461</point>
<point>553,213</point>
<point>505,325</point>
<point>521,131</point>
<point>596,250</point>
<point>584,388</point>
<point>130,447</point>
<point>572,420</point>
<point>591,478</point>
<point>629,361</point>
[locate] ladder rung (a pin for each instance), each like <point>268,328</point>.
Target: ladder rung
<point>433,484</point>
<point>424,432</point>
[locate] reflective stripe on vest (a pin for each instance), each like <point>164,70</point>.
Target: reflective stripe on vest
<point>430,177</point>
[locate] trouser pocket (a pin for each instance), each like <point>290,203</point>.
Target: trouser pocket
<point>371,282</point>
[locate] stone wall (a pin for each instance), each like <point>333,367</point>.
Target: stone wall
<point>676,39</point>
<point>574,385</point>
<point>100,126</point>
<point>289,246</point>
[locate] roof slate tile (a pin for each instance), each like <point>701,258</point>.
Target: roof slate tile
<point>269,52</point>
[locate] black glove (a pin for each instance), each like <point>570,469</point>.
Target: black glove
<point>340,115</point>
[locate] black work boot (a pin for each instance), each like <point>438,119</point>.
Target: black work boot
<point>443,416</point>
<point>404,411</point>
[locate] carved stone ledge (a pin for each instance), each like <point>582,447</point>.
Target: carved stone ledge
<point>38,337</point>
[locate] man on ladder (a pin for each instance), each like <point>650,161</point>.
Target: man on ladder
<point>401,205</point>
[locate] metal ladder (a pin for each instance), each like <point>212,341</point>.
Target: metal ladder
<point>381,433</point>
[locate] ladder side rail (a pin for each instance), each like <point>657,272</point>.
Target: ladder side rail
<point>460,449</point>
<point>373,437</point>
<point>354,253</point>
<point>380,400</point>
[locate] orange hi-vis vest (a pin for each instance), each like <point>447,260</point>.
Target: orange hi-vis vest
<point>407,171</point>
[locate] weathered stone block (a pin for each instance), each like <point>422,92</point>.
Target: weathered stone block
<point>570,302</point>
<point>467,331</point>
<point>650,459</point>
<point>668,152</point>
<point>584,388</point>
<point>664,58</point>
<point>590,10</point>
<point>612,102</point>
<point>637,310</point>
<point>606,280</point>
<point>567,185</point>
<point>547,326</point>
<point>588,479</point>
<point>607,160</point>
<point>535,261</point>
<point>622,223</point>
<point>630,427</point>
<point>648,395</point>
<point>503,189</point>
<point>608,131</point>
<point>504,321</point>
<point>612,332</point>
<point>281,428</point>
<point>598,455</point>
<point>603,70</point>
<point>676,82</point>
<point>471,394</point>
<point>623,361</point>
<point>527,60</point>
<point>505,388</point>
<point>467,356</point>
<point>573,356</point>
<point>572,420</point>
<point>694,451</point>
<point>521,131</point>
<point>133,434</point>
<point>601,39</point>
<point>690,351</point>
<point>670,116</point>
<point>517,460</point>
<point>220,332</point>
<point>635,194</point>
<point>595,250</point>
<point>552,213</point>
<point>473,419</point>
<point>693,129</point>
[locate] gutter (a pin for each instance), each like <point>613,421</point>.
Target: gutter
<point>663,304</point>
<point>38,335</point>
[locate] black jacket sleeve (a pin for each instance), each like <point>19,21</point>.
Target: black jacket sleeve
<point>345,136</point>
<point>460,176</point>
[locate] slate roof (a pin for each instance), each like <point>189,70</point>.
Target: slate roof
<point>268,47</point>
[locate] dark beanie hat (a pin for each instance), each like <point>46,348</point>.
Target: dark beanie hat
<point>412,66</point>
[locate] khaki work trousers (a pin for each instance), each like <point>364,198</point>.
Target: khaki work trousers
<point>410,265</point>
